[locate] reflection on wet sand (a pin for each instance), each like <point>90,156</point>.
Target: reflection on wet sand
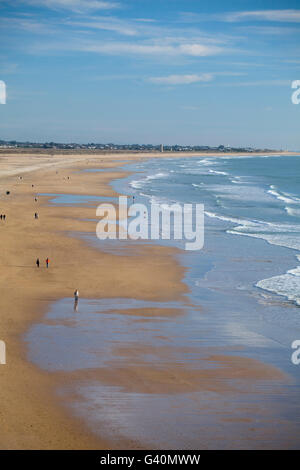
<point>157,382</point>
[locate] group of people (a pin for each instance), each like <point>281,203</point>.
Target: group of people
<point>47,261</point>
<point>38,262</point>
<point>2,216</point>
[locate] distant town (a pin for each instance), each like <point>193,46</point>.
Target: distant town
<point>13,144</point>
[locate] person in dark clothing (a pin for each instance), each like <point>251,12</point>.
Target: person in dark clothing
<point>47,262</point>
<point>76,298</point>
<point>37,263</point>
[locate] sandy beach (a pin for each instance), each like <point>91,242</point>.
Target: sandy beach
<point>32,415</point>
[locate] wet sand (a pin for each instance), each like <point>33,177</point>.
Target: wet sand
<point>32,415</point>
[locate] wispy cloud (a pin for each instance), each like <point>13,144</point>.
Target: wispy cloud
<point>2,92</point>
<point>122,48</point>
<point>74,5</point>
<point>268,83</point>
<point>269,30</point>
<point>29,25</point>
<point>188,79</point>
<point>107,24</point>
<point>291,16</point>
<point>181,79</point>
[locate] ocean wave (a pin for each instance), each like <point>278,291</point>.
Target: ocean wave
<point>292,211</point>
<point>239,192</point>
<point>156,176</point>
<point>286,285</point>
<point>233,220</point>
<point>295,271</point>
<point>138,184</point>
<point>207,162</point>
<point>238,180</point>
<point>216,172</point>
<point>285,235</point>
<point>282,196</point>
<point>278,240</point>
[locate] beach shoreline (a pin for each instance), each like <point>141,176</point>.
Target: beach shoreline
<point>32,415</point>
<point>42,153</point>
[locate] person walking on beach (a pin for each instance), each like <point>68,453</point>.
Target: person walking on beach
<point>47,262</point>
<point>76,297</point>
<point>36,215</point>
<point>37,263</point>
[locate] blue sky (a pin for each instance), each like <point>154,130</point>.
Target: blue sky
<point>151,71</point>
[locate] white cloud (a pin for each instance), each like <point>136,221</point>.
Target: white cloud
<point>106,24</point>
<point>181,79</point>
<point>196,50</point>
<point>268,83</point>
<point>75,5</point>
<point>2,92</point>
<point>28,25</point>
<point>145,20</point>
<point>270,30</point>
<point>291,16</point>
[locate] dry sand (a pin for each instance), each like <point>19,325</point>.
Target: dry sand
<point>32,416</point>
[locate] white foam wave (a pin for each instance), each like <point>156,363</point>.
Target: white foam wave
<point>207,162</point>
<point>285,235</point>
<point>286,285</point>
<point>292,211</point>
<point>216,172</point>
<point>282,196</point>
<point>234,220</point>
<point>238,180</point>
<point>138,184</point>
<point>156,176</point>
